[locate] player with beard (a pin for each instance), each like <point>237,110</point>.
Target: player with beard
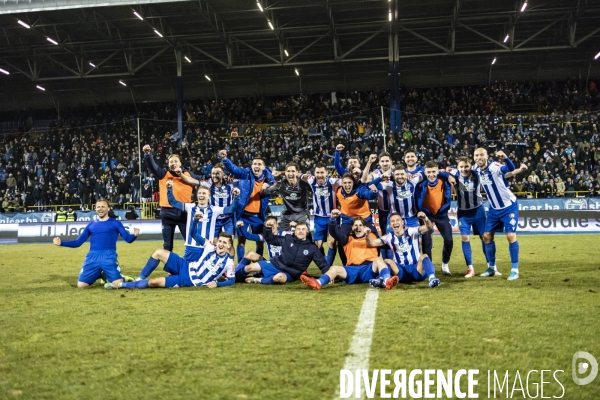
<point>384,172</point>
<point>353,162</point>
<point>294,193</point>
<point>170,217</point>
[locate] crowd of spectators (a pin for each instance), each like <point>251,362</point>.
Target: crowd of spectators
<point>93,152</point>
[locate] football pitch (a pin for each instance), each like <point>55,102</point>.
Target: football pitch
<point>289,342</point>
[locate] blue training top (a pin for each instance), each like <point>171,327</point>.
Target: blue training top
<point>104,235</point>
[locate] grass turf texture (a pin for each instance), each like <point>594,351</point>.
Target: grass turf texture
<point>288,342</point>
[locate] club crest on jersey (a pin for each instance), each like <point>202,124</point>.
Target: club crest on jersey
<point>403,194</point>
<point>322,192</point>
<point>511,215</point>
<point>305,252</point>
<point>404,247</point>
<point>292,196</point>
<point>221,195</point>
<point>468,186</point>
<point>486,180</point>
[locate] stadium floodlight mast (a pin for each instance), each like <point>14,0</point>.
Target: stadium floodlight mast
<point>23,24</point>
<point>5,72</point>
<point>494,61</point>
<point>41,88</point>
<point>122,83</point>
<point>138,15</point>
<point>54,42</point>
<point>524,7</point>
<point>260,7</point>
<point>506,38</point>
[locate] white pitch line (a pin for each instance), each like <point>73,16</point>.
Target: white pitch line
<point>360,348</point>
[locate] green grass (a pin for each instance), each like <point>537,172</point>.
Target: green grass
<point>288,342</point>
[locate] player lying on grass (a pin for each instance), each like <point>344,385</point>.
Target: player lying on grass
<point>408,263</point>
<point>252,256</point>
<point>102,257</point>
<point>363,263</point>
<point>297,252</point>
<point>214,263</point>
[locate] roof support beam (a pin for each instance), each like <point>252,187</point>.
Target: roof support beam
<point>142,65</point>
<point>307,47</point>
<point>337,49</point>
<point>550,25</point>
<point>343,56</point>
<point>423,38</point>
<point>484,36</point>
<point>258,51</point>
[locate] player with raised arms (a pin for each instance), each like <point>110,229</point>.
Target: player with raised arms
<point>253,203</point>
<point>503,211</point>
<point>408,263</point>
<point>363,262</point>
<point>102,257</point>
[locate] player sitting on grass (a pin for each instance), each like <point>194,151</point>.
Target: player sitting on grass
<point>214,263</point>
<point>408,263</point>
<point>297,252</point>
<point>363,262</point>
<point>252,256</point>
<point>102,257</point>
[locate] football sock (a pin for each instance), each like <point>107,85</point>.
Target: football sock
<point>490,251</point>
<point>484,253</point>
<point>141,284</point>
<point>513,249</point>
<point>259,248</point>
<point>466,248</point>
<point>240,270</point>
<point>150,266</point>
<point>324,279</point>
<point>267,281</point>
<point>240,252</point>
<point>330,256</point>
<point>428,268</point>
<point>384,273</point>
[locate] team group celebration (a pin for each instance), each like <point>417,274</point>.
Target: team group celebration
<point>411,199</point>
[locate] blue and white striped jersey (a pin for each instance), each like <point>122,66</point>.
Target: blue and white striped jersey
<point>273,250</point>
<point>495,186</point>
<point>405,247</point>
<point>402,198</point>
<point>468,194</point>
<point>211,266</point>
<point>323,195</point>
<point>383,200</point>
<point>220,196</point>
<point>206,224</point>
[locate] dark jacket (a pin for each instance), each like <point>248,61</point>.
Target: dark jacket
<point>296,255</point>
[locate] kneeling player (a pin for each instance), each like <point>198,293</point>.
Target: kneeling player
<point>297,252</point>
<point>214,263</point>
<point>363,263</point>
<point>408,263</point>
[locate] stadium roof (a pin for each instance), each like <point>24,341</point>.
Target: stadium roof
<point>313,46</point>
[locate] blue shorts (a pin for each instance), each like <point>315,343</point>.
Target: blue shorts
<point>409,274</point>
<point>507,218</point>
<point>224,225</point>
<point>178,268</point>
<point>192,254</point>
<point>360,274</point>
<point>269,270</point>
<point>254,221</point>
<point>471,218</point>
<point>100,261</point>
<point>321,228</point>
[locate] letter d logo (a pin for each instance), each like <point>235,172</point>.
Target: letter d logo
<point>582,367</point>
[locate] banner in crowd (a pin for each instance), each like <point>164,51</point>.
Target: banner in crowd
<point>40,217</point>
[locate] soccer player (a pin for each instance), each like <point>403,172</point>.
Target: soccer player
<point>215,262</point>
<point>400,193</point>
<point>408,262</point>
<point>297,252</point>
<point>412,165</point>
<point>385,171</point>
<point>471,213</point>
<point>252,256</point>
<point>294,193</point>
<point>253,205</point>
<point>353,162</point>
<point>503,211</point>
<point>170,218</point>
<point>323,188</point>
<point>102,257</point>
<point>363,262</point>
<point>221,195</point>
<point>434,196</point>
